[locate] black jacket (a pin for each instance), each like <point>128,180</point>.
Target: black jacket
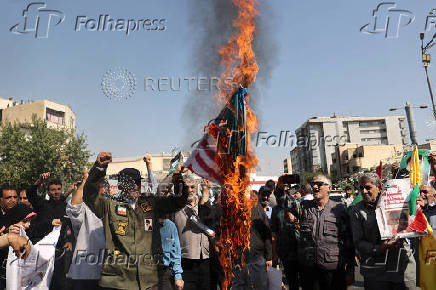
<point>260,236</point>
<point>49,210</point>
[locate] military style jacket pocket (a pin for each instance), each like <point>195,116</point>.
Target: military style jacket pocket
<point>331,228</point>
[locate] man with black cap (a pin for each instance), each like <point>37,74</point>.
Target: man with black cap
<point>133,251</point>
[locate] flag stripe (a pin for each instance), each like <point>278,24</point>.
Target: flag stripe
<point>206,168</point>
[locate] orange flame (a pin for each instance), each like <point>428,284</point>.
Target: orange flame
<point>239,61</point>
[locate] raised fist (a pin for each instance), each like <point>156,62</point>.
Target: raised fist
<point>103,159</point>
<point>43,178</point>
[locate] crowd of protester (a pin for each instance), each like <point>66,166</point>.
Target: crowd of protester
<point>167,237</point>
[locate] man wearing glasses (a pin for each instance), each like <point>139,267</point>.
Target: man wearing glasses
<point>387,264</point>
<point>326,251</point>
<point>427,201</point>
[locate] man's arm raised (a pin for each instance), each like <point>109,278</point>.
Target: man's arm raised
<point>77,196</point>
<point>90,191</point>
<point>31,192</point>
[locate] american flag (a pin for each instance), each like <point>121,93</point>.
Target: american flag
<point>203,161</point>
<point>223,141</point>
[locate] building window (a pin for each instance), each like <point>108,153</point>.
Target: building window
<point>372,131</point>
<point>54,116</point>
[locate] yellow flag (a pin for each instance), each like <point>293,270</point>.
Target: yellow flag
<point>427,260</point>
<point>415,168</point>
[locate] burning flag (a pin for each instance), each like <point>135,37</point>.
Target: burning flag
<point>224,154</point>
<point>224,138</point>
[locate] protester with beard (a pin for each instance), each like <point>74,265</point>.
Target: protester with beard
<point>124,220</point>
<point>427,201</point>
<point>325,249</point>
<point>194,236</point>
<point>385,264</point>
<point>55,207</point>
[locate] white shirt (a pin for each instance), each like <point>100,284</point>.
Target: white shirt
<point>90,242</point>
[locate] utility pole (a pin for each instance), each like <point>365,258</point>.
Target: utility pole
<point>426,58</point>
<point>411,120</point>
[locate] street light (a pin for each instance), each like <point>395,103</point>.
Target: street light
<point>426,58</point>
<point>411,119</point>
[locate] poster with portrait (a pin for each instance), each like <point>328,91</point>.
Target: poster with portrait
<point>392,212</point>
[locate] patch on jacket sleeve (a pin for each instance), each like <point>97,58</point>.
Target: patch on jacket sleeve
<point>122,228</point>
<point>146,207</point>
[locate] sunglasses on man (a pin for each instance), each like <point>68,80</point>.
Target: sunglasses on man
<point>318,183</point>
<point>367,187</point>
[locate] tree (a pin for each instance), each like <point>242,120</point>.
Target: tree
<point>27,150</point>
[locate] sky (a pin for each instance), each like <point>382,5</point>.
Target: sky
<point>315,62</point>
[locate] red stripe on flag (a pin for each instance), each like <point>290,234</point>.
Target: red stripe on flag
<point>206,168</point>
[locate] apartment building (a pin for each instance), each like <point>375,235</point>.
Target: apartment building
<point>57,115</point>
<point>321,135</point>
<point>352,158</point>
<point>287,165</point>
